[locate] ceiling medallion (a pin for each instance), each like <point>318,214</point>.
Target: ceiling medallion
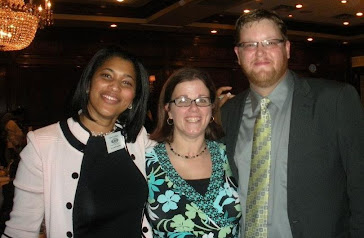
<point>19,22</point>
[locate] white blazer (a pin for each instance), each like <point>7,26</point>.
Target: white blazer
<point>45,181</point>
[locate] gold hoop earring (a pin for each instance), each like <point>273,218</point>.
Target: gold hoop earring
<point>170,121</point>
<point>212,119</point>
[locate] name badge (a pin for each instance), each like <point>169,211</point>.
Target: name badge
<point>114,142</point>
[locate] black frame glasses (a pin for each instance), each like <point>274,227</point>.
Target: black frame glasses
<point>186,102</point>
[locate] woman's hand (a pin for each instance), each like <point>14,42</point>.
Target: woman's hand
<point>223,97</point>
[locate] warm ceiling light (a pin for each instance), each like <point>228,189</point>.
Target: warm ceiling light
<point>346,23</point>
<point>246,11</point>
<point>120,0</point>
<point>345,42</point>
<point>299,5</point>
<point>113,25</point>
<point>19,22</point>
<point>359,14</point>
<point>152,78</point>
<point>213,31</point>
<point>310,39</point>
<point>343,1</point>
<point>290,15</point>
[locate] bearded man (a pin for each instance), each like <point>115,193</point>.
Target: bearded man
<point>296,145</point>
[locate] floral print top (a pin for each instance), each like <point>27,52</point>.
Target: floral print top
<point>176,210</point>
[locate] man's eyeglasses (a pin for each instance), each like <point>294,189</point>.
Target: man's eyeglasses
<point>186,102</point>
<point>268,44</point>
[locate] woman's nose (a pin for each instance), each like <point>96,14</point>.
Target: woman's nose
<point>193,106</point>
<point>114,85</point>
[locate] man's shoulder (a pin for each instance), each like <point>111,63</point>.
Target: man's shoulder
<point>328,94</point>
<point>319,82</point>
<point>320,86</point>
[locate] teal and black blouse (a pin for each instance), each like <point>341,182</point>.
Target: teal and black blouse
<point>206,208</point>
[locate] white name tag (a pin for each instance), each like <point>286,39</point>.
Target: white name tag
<point>114,142</point>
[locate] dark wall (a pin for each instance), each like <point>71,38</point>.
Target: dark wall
<point>42,77</point>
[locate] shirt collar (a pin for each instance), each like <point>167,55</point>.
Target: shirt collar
<point>277,97</point>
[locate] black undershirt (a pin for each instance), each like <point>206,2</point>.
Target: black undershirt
<point>200,185</point>
<point>110,195</point>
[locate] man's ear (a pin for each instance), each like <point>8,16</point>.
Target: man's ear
<point>288,49</point>
<point>236,50</point>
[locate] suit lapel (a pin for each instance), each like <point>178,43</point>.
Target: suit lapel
<point>300,135</point>
<point>236,119</point>
<point>232,119</point>
<point>301,117</point>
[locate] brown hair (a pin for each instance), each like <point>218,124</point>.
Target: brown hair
<point>164,132</point>
<point>258,15</point>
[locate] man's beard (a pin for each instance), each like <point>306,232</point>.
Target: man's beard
<point>265,78</point>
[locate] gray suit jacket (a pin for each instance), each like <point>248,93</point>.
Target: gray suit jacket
<point>325,174</point>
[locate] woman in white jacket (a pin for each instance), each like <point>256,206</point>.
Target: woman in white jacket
<point>86,175</point>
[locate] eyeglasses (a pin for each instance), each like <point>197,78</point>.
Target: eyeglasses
<point>268,44</point>
<point>186,102</point>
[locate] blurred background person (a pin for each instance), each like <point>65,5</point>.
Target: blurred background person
<point>12,137</point>
<point>12,141</point>
<point>191,189</point>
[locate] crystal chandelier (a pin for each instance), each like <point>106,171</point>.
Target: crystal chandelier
<point>19,22</point>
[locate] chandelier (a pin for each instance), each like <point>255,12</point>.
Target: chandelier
<point>19,22</point>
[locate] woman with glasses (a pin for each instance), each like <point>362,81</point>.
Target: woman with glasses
<point>191,189</point>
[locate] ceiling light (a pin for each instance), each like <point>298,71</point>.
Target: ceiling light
<point>120,0</point>
<point>19,22</point>
<point>290,15</point>
<point>359,14</point>
<point>343,1</point>
<point>299,5</point>
<point>246,10</point>
<point>113,25</point>
<point>310,39</point>
<point>345,42</point>
<point>346,23</point>
<point>152,78</point>
<point>213,31</point>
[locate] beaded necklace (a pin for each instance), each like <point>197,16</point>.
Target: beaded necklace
<point>186,156</point>
<point>206,202</point>
<point>103,134</point>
